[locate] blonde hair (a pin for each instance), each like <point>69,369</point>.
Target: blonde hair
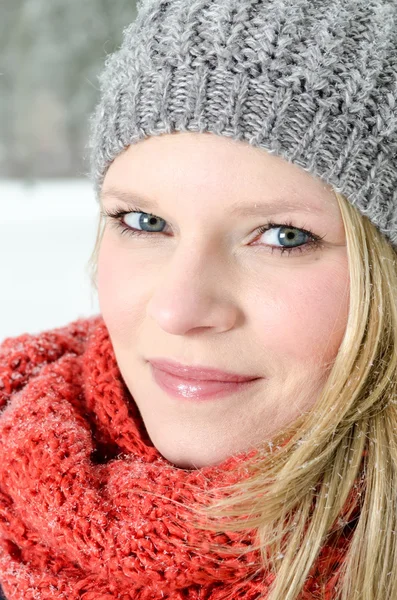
<point>295,495</point>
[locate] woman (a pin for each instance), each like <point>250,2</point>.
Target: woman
<point>225,428</point>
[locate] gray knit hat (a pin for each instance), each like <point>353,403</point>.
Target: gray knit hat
<point>313,81</point>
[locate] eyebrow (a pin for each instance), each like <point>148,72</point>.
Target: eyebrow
<point>276,206</point>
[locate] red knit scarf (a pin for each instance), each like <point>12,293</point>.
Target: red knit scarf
<point>86,505</point>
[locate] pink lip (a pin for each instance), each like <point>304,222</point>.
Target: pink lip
<point>199,373</point>
<point>197,383</point>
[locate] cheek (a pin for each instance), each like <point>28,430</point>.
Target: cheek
<point>305,313</point>
<point>122,282</point>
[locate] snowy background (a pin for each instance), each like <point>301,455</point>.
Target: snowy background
<point>47,234</point>
<point>51,55</point>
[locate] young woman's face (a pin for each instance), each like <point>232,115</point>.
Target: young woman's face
<point>203,286</point>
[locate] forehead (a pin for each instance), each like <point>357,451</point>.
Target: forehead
<point>204,167</point>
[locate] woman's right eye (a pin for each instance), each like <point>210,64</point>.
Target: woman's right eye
<point>135,222</point>
<point>141,221</point>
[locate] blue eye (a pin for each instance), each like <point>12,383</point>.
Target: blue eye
<point>287,236</point>
<point>144,220</point>
<point>283,237</point>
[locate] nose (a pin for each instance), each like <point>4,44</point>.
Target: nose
<point>194,291</point>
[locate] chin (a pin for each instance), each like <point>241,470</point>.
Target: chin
<point>189,460</point>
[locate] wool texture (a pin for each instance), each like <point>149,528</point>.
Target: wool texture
<point>89,509</point>
<point>312,81</point>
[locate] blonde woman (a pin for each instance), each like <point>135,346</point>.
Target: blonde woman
<point>226,427</point>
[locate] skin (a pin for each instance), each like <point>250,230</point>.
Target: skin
<point>210,290</point>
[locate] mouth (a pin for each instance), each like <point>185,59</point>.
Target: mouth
<point>198,389</point>
<point>199,373</point>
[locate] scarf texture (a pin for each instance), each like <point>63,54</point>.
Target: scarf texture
<point>89,509</point>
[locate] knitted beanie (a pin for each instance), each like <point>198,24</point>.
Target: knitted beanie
<point>313,81</point>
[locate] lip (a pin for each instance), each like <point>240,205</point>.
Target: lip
<point>199,373</point>
<point>200,387</point>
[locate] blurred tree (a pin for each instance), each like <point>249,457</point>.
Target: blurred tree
<point>50,56</point>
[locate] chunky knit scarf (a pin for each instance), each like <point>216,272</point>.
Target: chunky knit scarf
<point>88,507</point>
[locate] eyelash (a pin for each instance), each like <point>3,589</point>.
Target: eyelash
<point>118,213</point>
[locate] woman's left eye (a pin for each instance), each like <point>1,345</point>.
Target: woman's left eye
<point>282,237</point>
<point>289,237</point>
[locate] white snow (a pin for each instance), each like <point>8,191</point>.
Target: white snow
<point>47,233</point>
